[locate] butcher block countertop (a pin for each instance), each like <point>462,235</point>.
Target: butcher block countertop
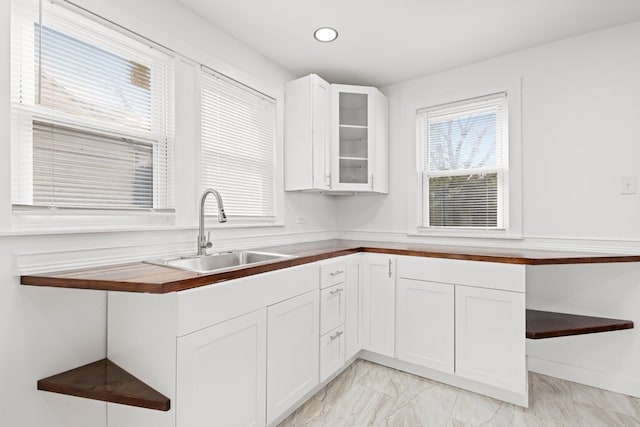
<point>151,278</point>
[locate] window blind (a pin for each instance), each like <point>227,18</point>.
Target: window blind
<point>92,111</point>
<point>464,166</point>
<point>238,147</point>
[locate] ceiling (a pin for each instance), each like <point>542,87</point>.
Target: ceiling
<point>386,41</point>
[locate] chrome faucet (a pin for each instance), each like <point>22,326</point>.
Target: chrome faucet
<point>205,243</point>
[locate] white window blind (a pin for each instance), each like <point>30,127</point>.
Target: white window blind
<point>464,163</point>
<point>238,147</point>
<point>92,112</point>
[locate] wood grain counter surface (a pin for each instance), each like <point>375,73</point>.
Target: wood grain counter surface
<point>151,278</point>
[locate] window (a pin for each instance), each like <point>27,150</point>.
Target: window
<point>92,113</point>
<point>238,147</point>
<point>464,163</point>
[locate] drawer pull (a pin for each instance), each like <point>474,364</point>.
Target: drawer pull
<point>336,335</point>
<point>335,291</point>
<point>335,273</point>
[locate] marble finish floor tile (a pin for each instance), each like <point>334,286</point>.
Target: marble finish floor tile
<point>367,394</point>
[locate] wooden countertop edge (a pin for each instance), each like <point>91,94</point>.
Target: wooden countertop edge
<point>206,279</point>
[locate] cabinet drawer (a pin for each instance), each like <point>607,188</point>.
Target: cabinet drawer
<point>332,307</point>
<point>332,352</point>
<point>332,273</point>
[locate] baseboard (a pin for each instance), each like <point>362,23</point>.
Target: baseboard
<point>604,380</point>
<point>452,380</point>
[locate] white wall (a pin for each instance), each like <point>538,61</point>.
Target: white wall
<point>44,331</point>
<point>579,137</point>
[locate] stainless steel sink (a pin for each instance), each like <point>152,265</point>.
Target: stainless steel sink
<point>220,261</point>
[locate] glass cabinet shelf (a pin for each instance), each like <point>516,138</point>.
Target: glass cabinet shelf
<point>353,158</point>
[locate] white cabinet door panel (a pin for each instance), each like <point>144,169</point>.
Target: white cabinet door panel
<point>306,134</point>
<point>331,352</point>
<point>221,377</point>
<point>490,337</point>
<point>332,307</point>
<point>353,283</point>
<point>379,317</point>
<point>425,324</point>
<point>359,127</point>
<point>292,351</point>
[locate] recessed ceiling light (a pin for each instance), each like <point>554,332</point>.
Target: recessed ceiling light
<point>325,34</point>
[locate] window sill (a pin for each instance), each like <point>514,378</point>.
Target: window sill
<point>88,230</point>
<point>230,224</point>
<point>466,233</point>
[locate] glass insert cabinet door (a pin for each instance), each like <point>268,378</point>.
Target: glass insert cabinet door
<point>353,118</point>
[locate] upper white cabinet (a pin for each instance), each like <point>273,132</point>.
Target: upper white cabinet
<point>360,148</point>
<point>307,134</point>
<point>336,137</point>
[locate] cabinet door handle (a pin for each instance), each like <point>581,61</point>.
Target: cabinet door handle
<point>372,181</point>
<point>335,273</point>
<point>336,335</point>
<point>389,268</point>
<point>335,291</point>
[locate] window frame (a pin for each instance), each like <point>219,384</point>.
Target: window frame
<point>161,135</point>
<point>450,93</point>
<point>277,178</point>
<point>501,171</point>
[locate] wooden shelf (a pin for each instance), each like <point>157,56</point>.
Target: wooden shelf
<point>106,381</point>
<point>547,324</point>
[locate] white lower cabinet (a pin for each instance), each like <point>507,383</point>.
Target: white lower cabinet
<point>292,352</point>
<point>246,351</point>
<point>332,352</point>
<point>463,327</point>
<point>425,324</point>
<point>490,337</point>
<point>378,304</point>
<point>222,379</point>
<point>354,282</point>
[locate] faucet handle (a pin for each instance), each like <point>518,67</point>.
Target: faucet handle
<point>208,244</point>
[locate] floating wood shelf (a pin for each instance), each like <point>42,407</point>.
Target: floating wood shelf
<point>547,324</point>
<point>106,381</point>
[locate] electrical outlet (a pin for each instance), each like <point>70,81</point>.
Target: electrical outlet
<point>628,185</point>
<point>300,220</point>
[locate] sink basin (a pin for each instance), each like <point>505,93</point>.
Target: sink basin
<point>220,261</point>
